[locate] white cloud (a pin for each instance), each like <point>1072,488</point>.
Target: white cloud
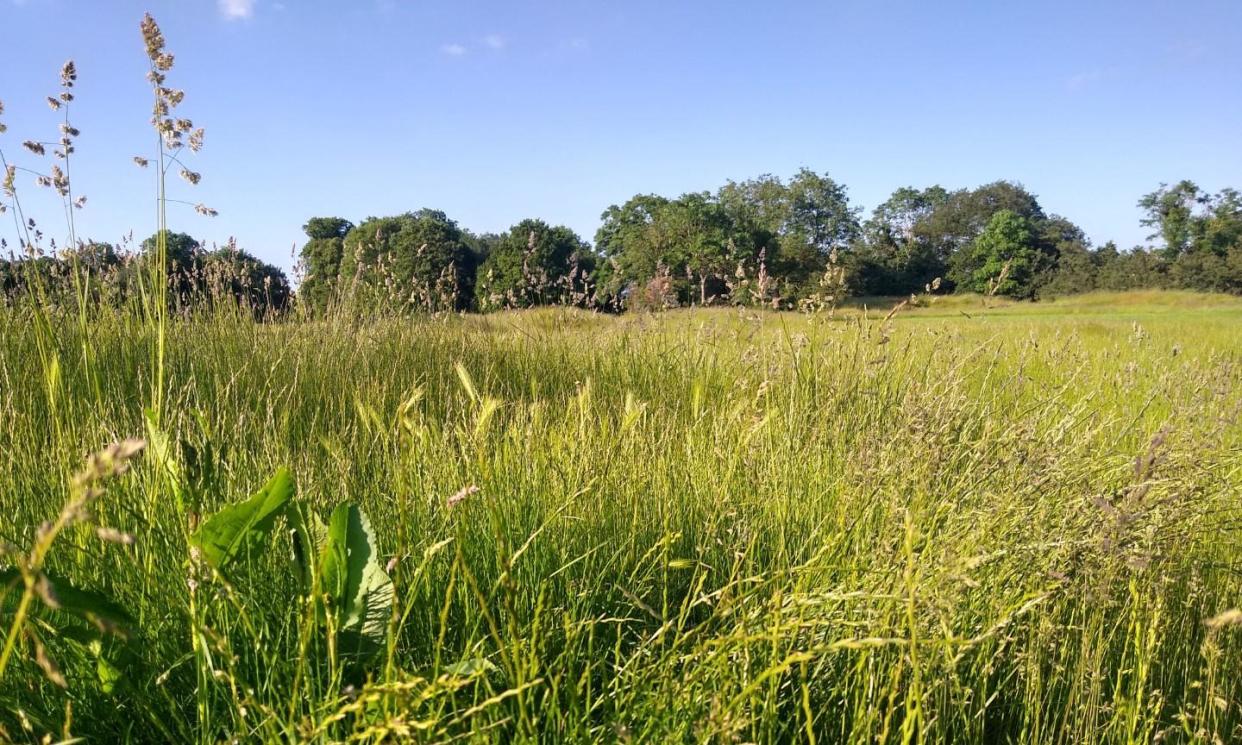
<point>453,50</point>
<point>579,44</point>
<point>233,10</point>
<point>1188,50</point>
<point>1083,80</point>
<point>494,41</point>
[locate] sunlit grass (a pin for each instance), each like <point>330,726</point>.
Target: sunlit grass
<point>697,526</point>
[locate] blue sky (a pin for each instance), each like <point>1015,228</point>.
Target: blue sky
<point>497,111</point>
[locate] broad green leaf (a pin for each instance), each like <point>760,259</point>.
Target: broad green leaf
<point>242,529</point>
<point>110,676</point>
<point>160,447</point>
<point>110,657</point>
<point>202,457</point>
<point>309,536</point>
<point>93,607</point>
<point>360,590</point>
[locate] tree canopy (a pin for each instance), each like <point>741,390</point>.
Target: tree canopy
<point>416,260</point>
<point>534,263</point>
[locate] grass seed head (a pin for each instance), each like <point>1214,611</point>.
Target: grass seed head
<point>461,496</point>
<point>112,535</point>
<point>1231,617</point>
<point>152,37</point>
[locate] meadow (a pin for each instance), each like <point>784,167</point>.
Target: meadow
<point>977,521</point>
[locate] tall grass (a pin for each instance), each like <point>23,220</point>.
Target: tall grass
<point>951,523</point>
<point>700,526</point>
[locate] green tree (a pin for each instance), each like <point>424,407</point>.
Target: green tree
<point>184,265</point>
<point>1130,270</point>
<point>1222,230</point>
<point>1171,211</point>
<point>1004,256</point>
<point>238,276</point>
<point>95,256</point>
<point>415,261</point>
<point>1063,252</point>
<point>795,225</point>
<point>321,259</point>
<point>898,253</point>
<point>954,225</point>
<point>1077,270</point>
<point>762,204</point>
<point>198,277</point>
<point>820,216</point>
<point>10,278</point>
<point>534,263</point>
<point>633,239</point>
<point>740,242</point>
<point>480,244</point>
<point>1200,235</point>
<point>694,244</point>
<point>709,246</point>
<point>184,251</point>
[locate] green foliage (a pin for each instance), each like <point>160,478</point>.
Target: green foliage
<point>234,275</point>
<point>819,221</point>
<point>201,278</point>
<point>1171,210</point>
<point>1201,235</point>
<point>243,530</point>
<point>1077,271</point>
<point>738,244</point>
<point>91,606</point>
<point>336,564</point>
<point>309,537</point>
<point>900,252</point>
<point>183,255</point>
<point>326,228</point>
<point>1131,270</point>
<point>534,263</point>
<point>417,261</point>
<point>360,592</point>
<point>633,240</point>
<point>1003,256</point>
<point>59,594</point>
<point>321,260</point>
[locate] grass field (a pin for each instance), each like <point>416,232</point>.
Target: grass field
<point>961,524</point>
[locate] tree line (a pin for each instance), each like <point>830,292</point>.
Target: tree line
<point>774,242</point>
<point>99,273</point>
<point>781,243</point>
